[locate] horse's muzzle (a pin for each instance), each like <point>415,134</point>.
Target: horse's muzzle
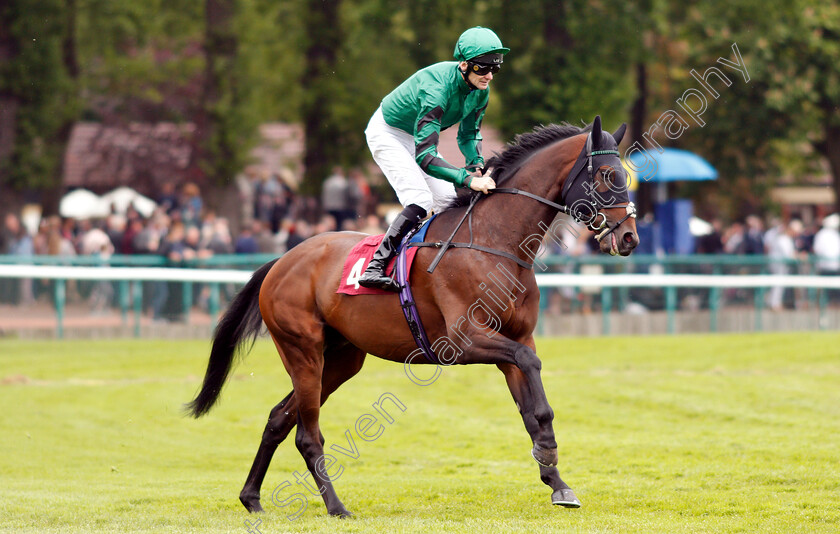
<point>629,241</point>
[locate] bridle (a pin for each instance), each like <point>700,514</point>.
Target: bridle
<point>595,200</point>
<point>585,159</point>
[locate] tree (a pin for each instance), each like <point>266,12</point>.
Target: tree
<point>176,62</point>
<point>320,85</point>
<point>567,63</point>
<point>37,91</point>
<point>227,64</point>
<point>781,120</point>
<point>141,61</point>
<point>811,81</point>
<point>9,102</point>
<point>224,127</point>
<point>271,39</point>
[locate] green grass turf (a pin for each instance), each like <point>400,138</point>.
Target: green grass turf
<point>664,434</point>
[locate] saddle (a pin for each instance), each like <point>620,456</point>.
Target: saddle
<point>359,257</point>
<point>400,268</point>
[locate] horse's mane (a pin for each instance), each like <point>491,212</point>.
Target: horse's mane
<point>506,163</point>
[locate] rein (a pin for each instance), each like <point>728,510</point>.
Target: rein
<point>445,245</point>
<point>604,228</point>
<point>407,301</point>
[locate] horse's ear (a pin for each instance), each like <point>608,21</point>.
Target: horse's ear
<point>596,132</point>
<point>619,134</point>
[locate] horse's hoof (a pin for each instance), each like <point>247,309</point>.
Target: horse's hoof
<point>252,504</point>
<point>544,457</point>
<point>566,498</point>
<point>342,514</point>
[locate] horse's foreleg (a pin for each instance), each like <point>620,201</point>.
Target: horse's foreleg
<point>501,350</point>
<point>281,421</point>
<point>562,494</point>
<point>545,446</point>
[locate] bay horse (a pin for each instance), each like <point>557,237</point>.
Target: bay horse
<point>323,337</point>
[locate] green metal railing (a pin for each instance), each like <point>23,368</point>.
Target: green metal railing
<point>129,293</point>
<point>710,261</point>
<point>142,260</point>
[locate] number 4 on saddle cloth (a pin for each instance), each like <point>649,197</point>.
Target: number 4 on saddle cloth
<point>358,260</point>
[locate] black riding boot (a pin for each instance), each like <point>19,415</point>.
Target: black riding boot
<point>374,276</point>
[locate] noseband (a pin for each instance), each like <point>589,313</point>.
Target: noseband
<point>595,200</point>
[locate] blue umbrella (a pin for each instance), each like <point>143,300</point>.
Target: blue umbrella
<point>672,217</point>
<point>671,165</point>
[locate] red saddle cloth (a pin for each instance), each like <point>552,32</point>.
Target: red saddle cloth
<point>357,261</point>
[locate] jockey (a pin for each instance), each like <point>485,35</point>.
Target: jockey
<point>404,131</point>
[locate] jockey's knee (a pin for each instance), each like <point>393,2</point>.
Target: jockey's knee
<point>441,203</point>
<point>424,201</point>
<point>443,196</point>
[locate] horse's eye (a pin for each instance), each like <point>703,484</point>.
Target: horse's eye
<point>608,173</point>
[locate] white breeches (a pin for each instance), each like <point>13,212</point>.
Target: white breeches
<point>393,151</point>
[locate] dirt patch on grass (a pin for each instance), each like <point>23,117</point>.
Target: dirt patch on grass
<point>14,380</point>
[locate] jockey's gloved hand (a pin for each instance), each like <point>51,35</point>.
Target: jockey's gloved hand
<point>477,182</point>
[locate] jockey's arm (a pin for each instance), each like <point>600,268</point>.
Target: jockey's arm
<point>469,136</point>
<point>426,139</point>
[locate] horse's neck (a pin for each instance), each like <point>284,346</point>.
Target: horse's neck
<point>514,222</point>
<point>507,222</point>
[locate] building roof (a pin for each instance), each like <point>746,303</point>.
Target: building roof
<point>804,195</point>
<point>144,156</point>
<point>139,155</point>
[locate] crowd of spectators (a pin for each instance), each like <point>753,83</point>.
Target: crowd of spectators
<point>184,231</point>
<point>181,228</point>
<point>275,219</point>
<point>784,247</point>
<point>779,240</point>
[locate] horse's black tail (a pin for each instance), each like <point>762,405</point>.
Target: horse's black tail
<point>241,321</point>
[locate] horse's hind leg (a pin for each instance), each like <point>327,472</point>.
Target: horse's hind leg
<point>562,494</point>
<point>281,421</point>
<point>341,362</point>
<point>307,382</point>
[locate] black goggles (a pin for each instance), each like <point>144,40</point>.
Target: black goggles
<point>482,70</point>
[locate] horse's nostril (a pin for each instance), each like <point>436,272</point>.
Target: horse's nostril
<point>629,238</point>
